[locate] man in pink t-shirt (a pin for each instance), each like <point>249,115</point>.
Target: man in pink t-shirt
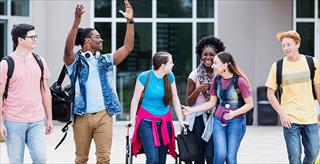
<point>26,108</point>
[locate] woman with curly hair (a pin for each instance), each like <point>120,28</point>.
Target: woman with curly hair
<point>198,93</point>
<point>198,87</point>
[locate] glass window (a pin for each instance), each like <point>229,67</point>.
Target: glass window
<point>139,60</point>
<point>105,31</point>
<point>3,7</point>
<point>20,8</point>
<point>204,29</point>
<point>176,38</point>
<point>205,8</point>
<point>305,8</point>
<point>3,38</point>
<point>306,31</point>
<point>174,8</point>
<point>142,8</point>
<point>102,8</point>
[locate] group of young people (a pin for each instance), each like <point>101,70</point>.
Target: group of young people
<point>218,97</point>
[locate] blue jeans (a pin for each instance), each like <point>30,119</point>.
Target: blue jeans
<point>30,133</point>
<point>155,154</point>
<point>227,139</point>
<point>206,148</point>
<point>309,136</point>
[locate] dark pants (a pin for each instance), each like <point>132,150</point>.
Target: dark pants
<point>206,148</point>
<point>155,154</point>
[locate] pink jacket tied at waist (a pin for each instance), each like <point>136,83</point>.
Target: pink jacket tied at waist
<point>143,114</point>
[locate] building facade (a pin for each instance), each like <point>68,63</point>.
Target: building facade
<point>247,27</point>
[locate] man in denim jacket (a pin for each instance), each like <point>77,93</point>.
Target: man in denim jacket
<point>92,74</point>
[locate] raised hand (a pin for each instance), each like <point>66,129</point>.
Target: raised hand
<point>78,14</point>
<point>129,11</point>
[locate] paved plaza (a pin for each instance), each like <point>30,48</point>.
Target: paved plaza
<point>261,145</point>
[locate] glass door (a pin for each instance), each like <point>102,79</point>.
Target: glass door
<point>3,38</point>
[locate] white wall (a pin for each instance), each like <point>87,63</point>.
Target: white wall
<point>53,20</point>
<point>248,28</point>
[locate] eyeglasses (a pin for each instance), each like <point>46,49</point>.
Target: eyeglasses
<point>95,37</point>
<point>33,37</point>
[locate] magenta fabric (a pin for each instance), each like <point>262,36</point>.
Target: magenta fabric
<point>143,114</point>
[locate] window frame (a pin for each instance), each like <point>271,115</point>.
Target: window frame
<point>154,20</point>
<point>314,20</point>
<point>13,20</point>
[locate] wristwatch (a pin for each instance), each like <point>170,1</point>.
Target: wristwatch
<point>131,21</point>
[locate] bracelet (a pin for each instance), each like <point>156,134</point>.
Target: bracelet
<point>130,21</point>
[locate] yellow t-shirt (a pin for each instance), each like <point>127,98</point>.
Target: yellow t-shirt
<point>297,98</point>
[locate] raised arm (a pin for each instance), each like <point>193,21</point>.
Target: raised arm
<point>68,57</point>
<point>127,46</point>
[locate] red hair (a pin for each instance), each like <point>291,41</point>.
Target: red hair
<point>289,34</point>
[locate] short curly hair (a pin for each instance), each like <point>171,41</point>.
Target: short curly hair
<point>211,41</point>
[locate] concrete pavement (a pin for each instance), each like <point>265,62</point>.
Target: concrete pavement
<point>261,145</point>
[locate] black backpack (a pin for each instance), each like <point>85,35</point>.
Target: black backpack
<point>312,70</point>
<point>235,78</point>
<point>10,62</point>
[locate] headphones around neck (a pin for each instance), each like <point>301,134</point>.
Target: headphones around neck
<point>89,54</point>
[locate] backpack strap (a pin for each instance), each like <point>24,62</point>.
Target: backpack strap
<point>65,131</point>
<point>249,114</point>
<point>62,75</point>
<point>235,79</point>
<point>279,72</point>
<point>216,81</point>
<point>235,83</point>
<point>39,61</point>
<point>60,80</point>
<point>143,91</point>
<point>312,70</point>
<point>279,79</point>
<point>9,74</point>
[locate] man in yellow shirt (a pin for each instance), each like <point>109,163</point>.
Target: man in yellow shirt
<point>297,110</point>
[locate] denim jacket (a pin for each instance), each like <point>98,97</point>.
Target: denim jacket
<point>106,73</point>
